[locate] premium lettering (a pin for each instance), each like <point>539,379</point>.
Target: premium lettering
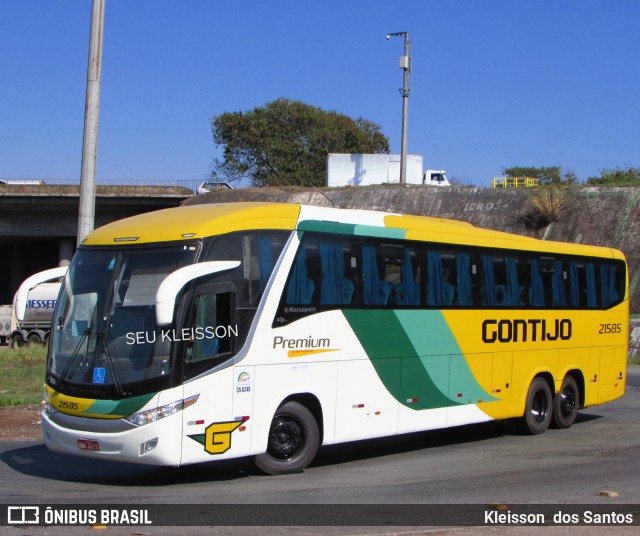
<point>309,342</point>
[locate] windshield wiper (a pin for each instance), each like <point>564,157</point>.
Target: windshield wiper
<point>74,355</point>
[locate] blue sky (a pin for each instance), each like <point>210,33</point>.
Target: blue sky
<point>496,83</point>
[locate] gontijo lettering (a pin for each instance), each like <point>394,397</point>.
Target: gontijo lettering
<point>531,330</point>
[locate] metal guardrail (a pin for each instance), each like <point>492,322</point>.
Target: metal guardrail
<point>515,182</point>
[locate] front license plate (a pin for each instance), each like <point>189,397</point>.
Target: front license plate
<point>88,444</point>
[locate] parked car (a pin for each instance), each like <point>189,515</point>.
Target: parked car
<point>208,186</point>
<point>23,182</point>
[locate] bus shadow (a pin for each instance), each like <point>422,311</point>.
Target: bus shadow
<point>586,417</point>
<point>405,443</point>
<point>417,441</point>
<point>37,461</point>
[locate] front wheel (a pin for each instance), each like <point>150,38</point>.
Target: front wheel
<point>538,409</point>
<point>293,441</point>
<point>566,403</point>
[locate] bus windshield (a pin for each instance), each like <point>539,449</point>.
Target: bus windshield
<point>106,309</point>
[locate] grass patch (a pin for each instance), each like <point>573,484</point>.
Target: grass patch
<point>21,375</point>
<point>544,206</point>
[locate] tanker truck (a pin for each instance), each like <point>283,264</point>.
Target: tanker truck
<point>28,320</point>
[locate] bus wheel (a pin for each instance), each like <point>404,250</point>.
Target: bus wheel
<point>538,410</point>
<point>294,438</point>
<point>566,403</point>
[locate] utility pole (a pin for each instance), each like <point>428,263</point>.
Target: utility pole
<point>405,65</point>
<point>86,212</point>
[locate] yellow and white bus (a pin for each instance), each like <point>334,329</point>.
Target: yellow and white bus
<point>209,332</point>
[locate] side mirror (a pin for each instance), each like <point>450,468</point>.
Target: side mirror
<point>175,281</point>
<point>22,296</point>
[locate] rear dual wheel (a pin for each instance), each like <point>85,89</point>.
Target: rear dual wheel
<point>566,403</point>
<point>543,409</point>
<point>538,408</point>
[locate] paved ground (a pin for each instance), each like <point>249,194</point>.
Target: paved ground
<point>602,448</point>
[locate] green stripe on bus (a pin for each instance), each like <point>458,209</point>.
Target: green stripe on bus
<point>351,229</point>
<point>416,357</point>
<point>431,336</point>
<point>124,407</point>
<point>395,359</point>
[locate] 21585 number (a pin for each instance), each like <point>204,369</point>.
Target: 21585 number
<point>605,329</point>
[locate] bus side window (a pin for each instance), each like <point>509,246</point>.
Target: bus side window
<point>583,284</point>
<point>536,288</point>
<point>608,284</point>
<point>401,273</point>
<point>574,285</point>
<point>375,291</point>
<point>488,288</point>
<point>439,290</point>
<point>212,329</point>
<point>338,263</point>
<point>464,296</point>
<point>502,282</point>
<point>300,288</point>
<point>324,272</point>
<point>259,259</point>
<point>592,292</point>
<point>553,276</point>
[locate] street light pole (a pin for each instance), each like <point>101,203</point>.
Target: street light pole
<point>86,211</point>
<point>405,65</point>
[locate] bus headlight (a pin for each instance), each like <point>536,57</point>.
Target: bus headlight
<point>153,415</point>
<point>45,407</point>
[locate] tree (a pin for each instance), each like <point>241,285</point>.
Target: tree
<point>545,175</point>
<point>617,177</point>
<point>286,142</point>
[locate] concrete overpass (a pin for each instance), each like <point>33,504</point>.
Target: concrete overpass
<point>38,222</point>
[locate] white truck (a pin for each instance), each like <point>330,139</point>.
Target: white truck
<point>28,320</point>
<point>368,169</point>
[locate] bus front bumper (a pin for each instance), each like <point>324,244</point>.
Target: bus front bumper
<point>157,443</point>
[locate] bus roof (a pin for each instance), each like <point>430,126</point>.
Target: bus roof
<point>195,221</point>
<point>199,221</point>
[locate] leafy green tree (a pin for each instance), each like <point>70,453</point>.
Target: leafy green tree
<point>545,175</point>
<point>628,176</point>
<point>286,142</point>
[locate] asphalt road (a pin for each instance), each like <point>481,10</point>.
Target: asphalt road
<point>479,464</point>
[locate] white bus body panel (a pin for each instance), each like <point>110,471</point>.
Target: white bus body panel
<point>123,446</point>
<point>214,405</point>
